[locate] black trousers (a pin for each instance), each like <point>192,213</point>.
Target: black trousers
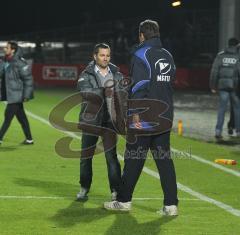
<point>135,156</point>
<point>113,165</point>
<point>17,110</point>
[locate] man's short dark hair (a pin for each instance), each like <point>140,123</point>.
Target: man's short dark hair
<point>13,45</point>
<point>100,45</point>
<point>149,29</point>
<point>233,42</point>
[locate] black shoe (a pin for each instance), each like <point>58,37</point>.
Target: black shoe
<point>218,137</point>
<point>27,142</point>
<point>230,131</point>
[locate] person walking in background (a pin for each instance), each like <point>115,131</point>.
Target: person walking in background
<point>98,81</point>
<point>231,122</point>
<point>153,72</point>
<point>224,78</point>
<point>16,87</point>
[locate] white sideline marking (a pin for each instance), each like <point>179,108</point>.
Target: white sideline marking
<point>45,121</point>
<point>30,197</point>
<point>150,172</point>
<point>197,158</point>
<point>202,160</point>
<point>92,198</point>
<point>202,197</point>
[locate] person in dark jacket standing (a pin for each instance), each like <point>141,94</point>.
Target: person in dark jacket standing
<point>16,87</point>
<point>96,84</point>
<point>231,122</point>
<point>152,72</point>
<point>224,78</point>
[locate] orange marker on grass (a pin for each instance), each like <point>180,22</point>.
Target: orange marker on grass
<point>226,161</point>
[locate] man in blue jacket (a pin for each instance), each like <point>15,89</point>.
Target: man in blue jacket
<point>150,119</point>
<point>16,87</point>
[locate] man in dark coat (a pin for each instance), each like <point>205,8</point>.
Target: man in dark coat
<point>150,119</point>
<point>224,79</point>
<point>97,118</point>
<point>16,87</point>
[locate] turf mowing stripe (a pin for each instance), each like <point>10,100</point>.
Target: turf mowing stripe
<point>150,172</point>
<point>92,198</point>
<point>202,160</point>
<point>45,121</point>
<point>197,158</point>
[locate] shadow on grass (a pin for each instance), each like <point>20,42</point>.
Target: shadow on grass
<point>146,208</point>
<point>7,149</point>
<point>91,213</point>
<point>230,142</point>
<point>76,213</point>
<point>127,224</point>
<point>59,189</point>
<point>50,187</point>
<point>124,222</point>
<point>227,142</point>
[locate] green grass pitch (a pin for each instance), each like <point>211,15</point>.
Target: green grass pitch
<point>38,187</point>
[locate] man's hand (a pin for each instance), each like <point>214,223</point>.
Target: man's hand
<point>136,121</point>
<point>108,92</point>
<point>213,91</point>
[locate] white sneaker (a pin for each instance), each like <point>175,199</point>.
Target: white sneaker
<point>118,206</point>
<point>114,196</point>
<point>170,210</point>
<point>82,195</point>
<point>27,142</point>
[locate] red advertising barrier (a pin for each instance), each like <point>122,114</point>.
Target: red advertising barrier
<point>56,75</point>
<point>67,75</point>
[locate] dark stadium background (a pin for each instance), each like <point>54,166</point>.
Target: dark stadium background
<point>28,16</point>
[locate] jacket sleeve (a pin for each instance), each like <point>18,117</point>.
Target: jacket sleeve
<point>214,73</point>
<point>86,89</point>
<point>26,76</point>
<point>84,83</point>
<point>238,75</point>
<point>121,83</point>
<point>174,69</point>
<point>140,79</point>
<point>1,69</point>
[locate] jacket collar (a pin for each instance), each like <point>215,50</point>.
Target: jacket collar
<point>231,50</point>
<point>152,42</point>
<point>90,68</point>
<point>8,58</point>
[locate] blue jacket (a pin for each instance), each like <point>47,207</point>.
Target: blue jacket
<point>152,73</point>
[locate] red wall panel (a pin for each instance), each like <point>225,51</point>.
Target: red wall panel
<point>67,75</point>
